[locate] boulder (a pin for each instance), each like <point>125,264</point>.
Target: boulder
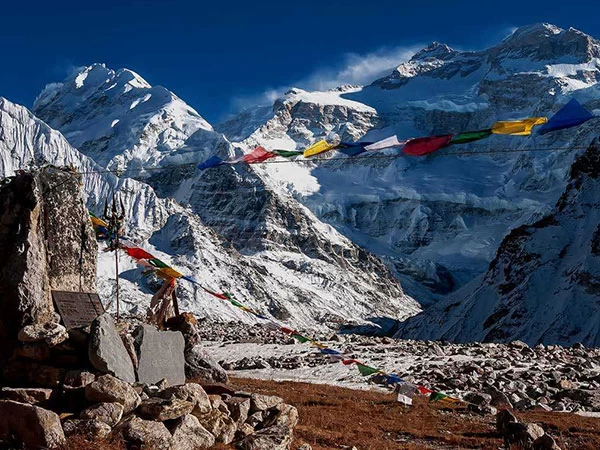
<point>271,438</point>
<point>106,350</point>
<point>202,367</point>
<point>32,426</point>
<point>503,418</point>
<point>523,434</point>
<point>239,408</point>
<point>47,236</point>
<point>545,442</point>
<point>91,428</point>
<point>260,402</point>
<point>190,392</point>
<point>108,413</point>
<point>146,434</point>
<point>161,409</point>
<point>78,378</point>
<point>160,355</point>
<point>220,425</point>
<point>31,396</point>
<point>188,434</point>
<point>284,415</point>
<point>109,389</point>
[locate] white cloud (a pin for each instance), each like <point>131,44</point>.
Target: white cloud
<point>355,69</point>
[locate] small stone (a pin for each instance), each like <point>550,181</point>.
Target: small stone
<point>188,434</point>
<point>261,402</point>
<point>190,392</point>
<point>91,428</point>
<point>161,410</point>
<point>256,419</point>
<point>284,415</point>
<point>109,389</point>
<point>239,407</point>
<point>31,396</point>
<point>32,426</point>
<point>478,398</point>
<point>51,333</point>
<point>146,433</point>
<point>271,438</point>
<point>78,378</point>
<point>108,413</point>
<point>221,426</point>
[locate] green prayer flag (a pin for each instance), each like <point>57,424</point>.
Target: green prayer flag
<point>366,370</point>
<point>470,136</point>
<point>158,263</point>
<point>235,303</point>
<point>436,396</point>
<point>300,338</point>
<point>287,153</point>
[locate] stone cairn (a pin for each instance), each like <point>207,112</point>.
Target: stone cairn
<point>122,380</point>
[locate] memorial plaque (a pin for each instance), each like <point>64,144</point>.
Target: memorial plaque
<point>77,309</point>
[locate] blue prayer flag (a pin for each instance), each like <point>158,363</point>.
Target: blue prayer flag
<point>211,162</point>
<point>570,115</point>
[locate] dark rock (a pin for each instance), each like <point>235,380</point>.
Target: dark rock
<point>503,418</point>
<point>30,425</point>
<point>523,434</point>
<point>106,350</point>
<point>31,373</point>
<point>31,396</point>
<point>272,438</point>
<point>160,355</point>
<point>545,442</point>
<point>202,367</point>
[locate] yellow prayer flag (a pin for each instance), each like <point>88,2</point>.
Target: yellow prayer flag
<point>320,147</point>
<point>518,127</point>
<point>169,272</point>
<point>98,222</point>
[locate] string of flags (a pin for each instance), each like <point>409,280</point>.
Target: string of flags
<point>406,390</point>
<point>570,115</point>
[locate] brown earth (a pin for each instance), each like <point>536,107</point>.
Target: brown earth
<point>339,418</point>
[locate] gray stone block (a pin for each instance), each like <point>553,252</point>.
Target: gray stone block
<point>160,355</point>
<point>106,350</point>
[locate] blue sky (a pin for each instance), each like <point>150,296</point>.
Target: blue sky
<point>227,54</point>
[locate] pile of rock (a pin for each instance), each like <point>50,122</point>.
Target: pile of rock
<point>525,436</point>
<point>152,416</point>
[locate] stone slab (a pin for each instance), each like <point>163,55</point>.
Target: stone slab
<point>160,355</point>
<point>107,352</point>
<point>77,309</point>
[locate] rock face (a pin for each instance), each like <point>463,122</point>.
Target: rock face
<point>107,352</point>
<point>50,242</point>
<point>33,426</point>
<point>542,286</point>
<point>160,355</point>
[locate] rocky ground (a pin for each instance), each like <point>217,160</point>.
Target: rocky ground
<point>552,378</point>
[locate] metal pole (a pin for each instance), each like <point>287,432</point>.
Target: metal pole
<point>117,272</point>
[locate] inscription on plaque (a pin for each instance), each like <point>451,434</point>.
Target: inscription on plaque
<point>77,309</point>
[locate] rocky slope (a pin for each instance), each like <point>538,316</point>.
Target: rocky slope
<point>542,286</point>
<point>267,249</point>
<point>437,220</point>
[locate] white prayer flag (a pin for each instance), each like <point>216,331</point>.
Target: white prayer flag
<point>392,141</point>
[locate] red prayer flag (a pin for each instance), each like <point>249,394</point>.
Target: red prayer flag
<point>138,253</point>
<point>221,296</point>
<point>258,155</point>
<point>288,330</point>
<point>348,362</point>
<point>426,145</point>
<point>423,390</point>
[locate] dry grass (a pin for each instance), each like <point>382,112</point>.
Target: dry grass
<point>331,417</point>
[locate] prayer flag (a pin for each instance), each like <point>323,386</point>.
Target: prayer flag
<point>366,370</point>
<point>300,338</point>
<point>215,294</point>
<point>330,351</point>
<point>258,155</point>
<point>287,153</point>
<point>394,379</point>
<point>170,272</point>
<point>423,390</point>
<point>518,127</point>
<point>211,162</point>
<point>348,362</point>
<point>426,145</point>
<point>570,115</point>
<point>97,221</point>
<point>318,148</point>
<point>352,150</point>
<point>470,136</point>
<point>138,253</point>
<point>391,141</point>
<point>156,262</point>
<point>437,396</point>
<point>287,330</point>
<point>406,392</point>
